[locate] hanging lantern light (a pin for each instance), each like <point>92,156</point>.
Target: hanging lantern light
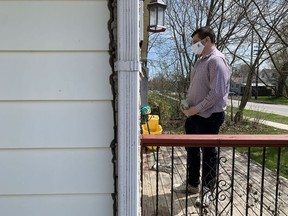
<point>156,16</point>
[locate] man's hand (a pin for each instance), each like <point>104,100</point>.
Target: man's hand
<point>189,112</point>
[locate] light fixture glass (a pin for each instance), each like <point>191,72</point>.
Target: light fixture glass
<point>156,16</point>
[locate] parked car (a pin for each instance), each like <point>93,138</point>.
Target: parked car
<point>232,93</point>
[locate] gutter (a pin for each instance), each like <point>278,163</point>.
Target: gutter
<point>128,66</point>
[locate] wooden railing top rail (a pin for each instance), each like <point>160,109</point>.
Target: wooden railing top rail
<point>219,140</point>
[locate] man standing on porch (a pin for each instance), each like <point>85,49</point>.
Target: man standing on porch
<point>206,98</point>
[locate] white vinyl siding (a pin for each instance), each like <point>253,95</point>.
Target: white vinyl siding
<point>55,171</point>
<point>55,76</point>
<point>50,205</point>
<point>54,25</point>
<point>55,124</point>
<point>55,108</point>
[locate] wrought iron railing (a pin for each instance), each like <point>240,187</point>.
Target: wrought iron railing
<point>243,187</point>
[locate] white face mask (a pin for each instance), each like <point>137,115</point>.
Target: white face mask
<point>197,48</point>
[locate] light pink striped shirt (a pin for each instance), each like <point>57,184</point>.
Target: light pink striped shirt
<point>209,84</point>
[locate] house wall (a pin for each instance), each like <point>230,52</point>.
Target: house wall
<point>55,108</point>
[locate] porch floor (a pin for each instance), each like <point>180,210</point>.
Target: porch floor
<point>224,205</point>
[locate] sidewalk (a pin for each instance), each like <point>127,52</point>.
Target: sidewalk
<point>272,124</point>
<point>276,125</point>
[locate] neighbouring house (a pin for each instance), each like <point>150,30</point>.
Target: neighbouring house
<point>269,76</point>
<point>264,85</point>
<point>69,107</point>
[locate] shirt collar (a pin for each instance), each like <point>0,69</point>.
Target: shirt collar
<point>209,54</point>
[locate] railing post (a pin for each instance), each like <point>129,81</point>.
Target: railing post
<point>262,180</point>
<point>248,184</point>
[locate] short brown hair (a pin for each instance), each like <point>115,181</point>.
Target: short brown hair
<point>205,32</point>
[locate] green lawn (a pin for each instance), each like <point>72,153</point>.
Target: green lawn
<point>261,115</point>
<point>271,158</point>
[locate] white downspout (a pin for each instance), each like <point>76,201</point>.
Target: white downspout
<point>128,68</point>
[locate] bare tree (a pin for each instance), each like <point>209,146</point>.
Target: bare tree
<point>280,60</point>
<point>239,26</point>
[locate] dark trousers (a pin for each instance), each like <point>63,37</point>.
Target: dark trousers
<point>199,125</point>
